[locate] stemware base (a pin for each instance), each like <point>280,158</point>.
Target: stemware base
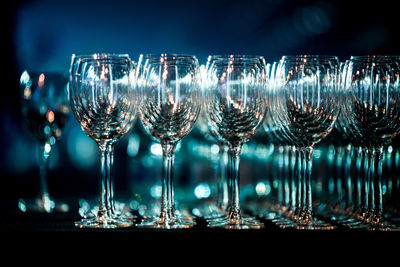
<point>284,222</point>
<point>103,222</point>
<point>308,224</point>
<point>209,211</point>
<point>383,226</point>
<point>315,225</point>
<point>122,211</point>
<point>370,224</point>
<point>243,222</point>
<point>162,223</point>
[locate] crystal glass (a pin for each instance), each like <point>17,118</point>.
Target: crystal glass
<point>371,116</point>
<point>282,163</point>
<point>104,102</point>
<point>170,93</point>
<point>89,209</point>
<point>338,200</point>
<point>236,103</point>
<point>45,111</point>
<point>216,206</point>
<point>306,106</point>
<point>286,160</point>
<point>347,204</point>
<point>224,193</point>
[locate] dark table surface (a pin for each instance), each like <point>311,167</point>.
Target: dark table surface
<point>35,231</point>
<point>15,221</point>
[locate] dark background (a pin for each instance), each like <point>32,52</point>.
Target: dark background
<point>41,35</point>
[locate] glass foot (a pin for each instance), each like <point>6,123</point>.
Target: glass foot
<point>42,204</point>
<point>208,211</point>
<point>284,219</point>
<point>314,224</point>
<point>284,223</point>
<point>353,223</point>
<point>379,223</point>
<point>89,211</point>
<point>162,223</point>
<point>102,222</point>
<point>371,223</point>
<point>383,226</point>
<point>268,215</point>
<point>242,223</point>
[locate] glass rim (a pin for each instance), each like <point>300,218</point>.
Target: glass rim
<point>235,60</point>
<point>98,57</point>
<point>255,59</point>
<point>310,56</point>
<point>311,59</point>
<point>168,56</point>
<point>374,57</point>
<point>170,59</point>
<point>236,56</point>
<point>108,59</point>
<point>314,57</point>
<point>102,55</point>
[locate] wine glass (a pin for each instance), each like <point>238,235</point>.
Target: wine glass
<point>236,103</point>
<point>339,205</point>
<point>88,209</point>
<point>45,111</point>
<point>347,206</point>
<point>282,161</point>
<point>209,132</point>
<point>215,208</point>
<point>371,112</point>
<point>286,160</point>
<point>306,106</point>
<point>104,102</point>
<point>170,94</point>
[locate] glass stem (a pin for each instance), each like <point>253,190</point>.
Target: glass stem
<point>280,178</point>
<point>110,178</point>
<point>229,171</point>
<point>364,182</point>
<point>375,179</point>
<point>357,198</point>
<point>44,153</point>
<point>307,156</point>
<point>285,173</point>
<point>46,202</point>
<point>338,177</point>
<point>167,211</point>
<point>104,188</point>
<point>292,177</point>
<point>234,212</point>
<point>347,179</point>
<point>297,175</point>
<point>223,195</point>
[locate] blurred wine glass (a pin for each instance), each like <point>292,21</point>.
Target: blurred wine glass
<point>45,111</point>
